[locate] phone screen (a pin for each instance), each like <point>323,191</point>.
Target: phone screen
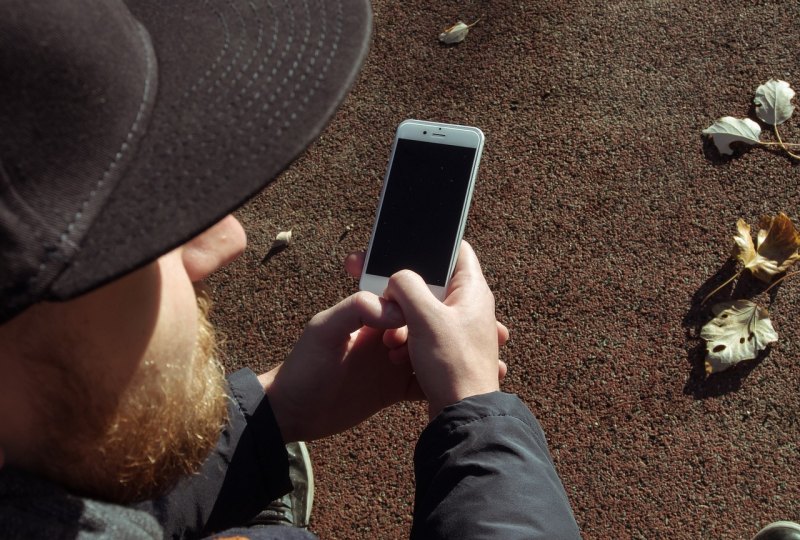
<point>420,216</point>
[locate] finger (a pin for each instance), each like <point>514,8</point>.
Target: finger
<point>467,274</point>
<point>503,334</point>
<point>416,300</point>
<point>354,263</point>
<point>502,370</point>
<point>394,338</point>
<point>360,309</point>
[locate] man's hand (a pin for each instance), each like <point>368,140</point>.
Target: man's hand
<point>339,372</point>
<point>396,339</point>
<point>453,346</point>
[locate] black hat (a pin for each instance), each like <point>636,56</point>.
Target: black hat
<point>128,128</point>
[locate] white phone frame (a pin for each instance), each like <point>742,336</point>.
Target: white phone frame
<point>434,133</point>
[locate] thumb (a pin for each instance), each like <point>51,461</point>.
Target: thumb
<point>410,291</point>
<point>360,309</point>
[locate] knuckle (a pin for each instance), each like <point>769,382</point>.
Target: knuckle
<point>360,300</point>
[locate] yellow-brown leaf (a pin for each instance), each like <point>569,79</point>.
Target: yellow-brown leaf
<point>776,247</point>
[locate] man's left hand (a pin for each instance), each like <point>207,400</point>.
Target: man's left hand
<point>340,372</point>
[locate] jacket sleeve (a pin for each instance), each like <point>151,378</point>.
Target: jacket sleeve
<point>483,471</point>
<point>248,468</point>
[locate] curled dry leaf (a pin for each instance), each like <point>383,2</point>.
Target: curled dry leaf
<point>728,130</point>
<point>284,238</point>
<point>281,242</point>
<point>776,246</point>
<point>456,33</point>
<point>773,102</point>
<point>739,330</point>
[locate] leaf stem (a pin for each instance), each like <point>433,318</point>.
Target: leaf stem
<point>781,279</point>
<point>783,145</point>
<point>768,143</point>
<point>712,293</point>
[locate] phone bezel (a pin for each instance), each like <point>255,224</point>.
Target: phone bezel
<point>434,133</point>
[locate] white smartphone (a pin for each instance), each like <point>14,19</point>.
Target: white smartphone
<point>423,206</point>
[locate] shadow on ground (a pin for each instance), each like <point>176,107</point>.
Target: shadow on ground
<point>745,286</point>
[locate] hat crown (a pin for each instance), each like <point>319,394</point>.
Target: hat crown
<point>86,196</point>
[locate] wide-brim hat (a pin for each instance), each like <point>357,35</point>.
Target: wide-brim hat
<point>127,128</point>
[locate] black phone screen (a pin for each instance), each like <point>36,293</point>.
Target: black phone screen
<point>419,219</point>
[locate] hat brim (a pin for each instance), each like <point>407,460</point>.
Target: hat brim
<point>243,88</point>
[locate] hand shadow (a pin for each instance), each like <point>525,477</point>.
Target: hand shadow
<point>745,286</point>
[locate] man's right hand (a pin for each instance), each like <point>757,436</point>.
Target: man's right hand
<point>453,346</point>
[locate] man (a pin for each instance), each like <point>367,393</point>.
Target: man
<point>128,132</point>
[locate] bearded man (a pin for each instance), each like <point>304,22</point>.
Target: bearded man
<point>128,133</point>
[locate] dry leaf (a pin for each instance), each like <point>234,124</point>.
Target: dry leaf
<point>728,130</point>
<point>776,246</point>
<point>773,102</point>
<point>456,33</point>
<point>739,330</point>
<point>284,238</point>
<point>281,242</point>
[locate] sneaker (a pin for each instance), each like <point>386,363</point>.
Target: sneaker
<point>294,508</point>
<point>780,530</point>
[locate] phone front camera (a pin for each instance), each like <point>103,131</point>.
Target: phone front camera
<point>424,132</point>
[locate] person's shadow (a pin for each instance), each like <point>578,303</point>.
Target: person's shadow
<point>699,384</point>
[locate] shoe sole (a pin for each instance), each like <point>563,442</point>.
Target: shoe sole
<point>310,471</point>
<point>791,525</point>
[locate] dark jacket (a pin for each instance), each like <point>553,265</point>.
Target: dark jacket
<point>482,470</point>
